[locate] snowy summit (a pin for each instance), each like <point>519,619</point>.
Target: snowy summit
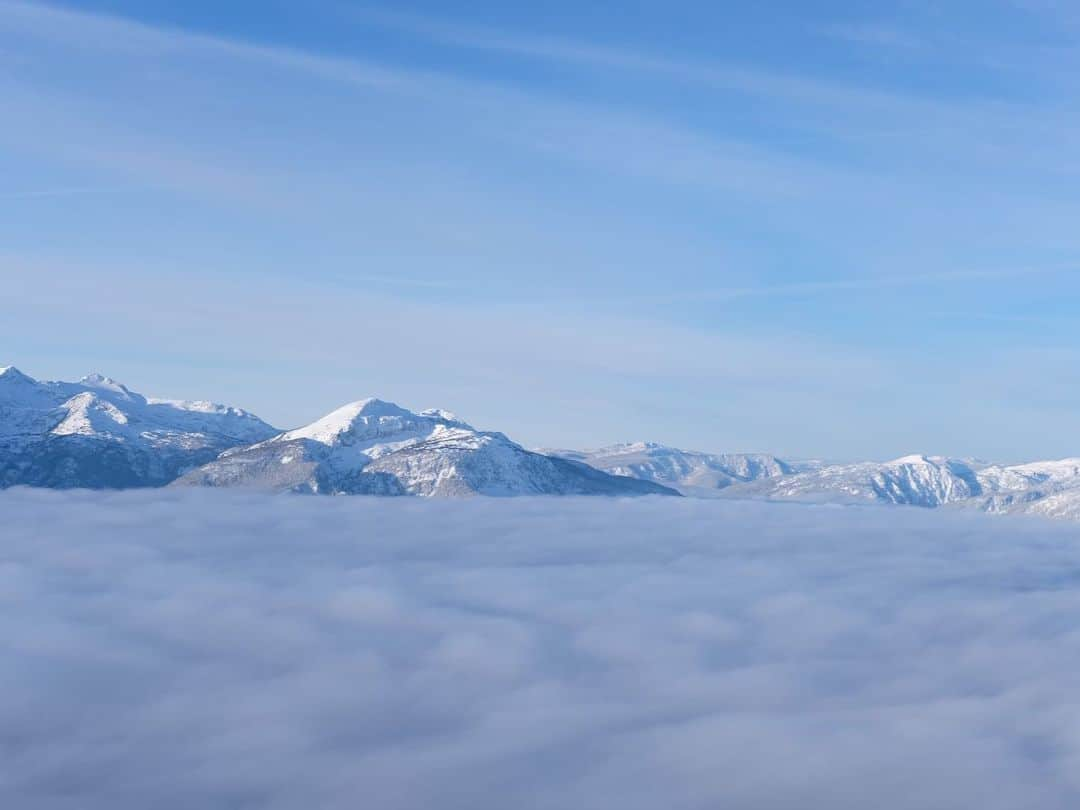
<point>374,447</point>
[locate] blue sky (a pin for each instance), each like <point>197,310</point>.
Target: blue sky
<point>846,230</point>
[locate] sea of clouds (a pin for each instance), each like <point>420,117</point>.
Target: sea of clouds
<point>220,650</point>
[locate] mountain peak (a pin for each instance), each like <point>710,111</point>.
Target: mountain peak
<point>639,447</point>
<point>372,406</point>
<point>12,374</point>
<point>98,379</point>
<point>442,415</point>
<point>361,416</point>
<point>915,458</point>
<point>102,383</point>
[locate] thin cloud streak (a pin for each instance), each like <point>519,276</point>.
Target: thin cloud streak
<point>438,284</point>
<point>859,284</point>
<point>581,53</point>
<point>652,148</point>
<point>872,117</point>
<point>564,129</point>
<point>731,77</point>
<point>113,31</point>
<point>66,192</point>
<point>107,31</point>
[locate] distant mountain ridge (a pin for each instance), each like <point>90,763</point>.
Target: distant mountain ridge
<point>932,481</point>
<point>97,433</point>
<point>1049,488</point>
<point>691,472</point>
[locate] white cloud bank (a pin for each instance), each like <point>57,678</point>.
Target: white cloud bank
<point>221,650</point>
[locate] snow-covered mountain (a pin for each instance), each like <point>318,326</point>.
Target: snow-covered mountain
<point>912,481</point>
<point>375,447</point>
<point>1050,488</point>
<point>96,433</point>
<point>692,473</point>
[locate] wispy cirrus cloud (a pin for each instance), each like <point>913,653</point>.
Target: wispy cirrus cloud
<point>646,147</point>
<point>107,32</point>
<point>877,281</point>
<point>629,141</point>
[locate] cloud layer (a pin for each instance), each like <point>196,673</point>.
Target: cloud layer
<point>214,650</point>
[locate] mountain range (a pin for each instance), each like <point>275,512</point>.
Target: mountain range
<point>98,434</point>
<point>1049,488</point>
<point>691,472</point>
